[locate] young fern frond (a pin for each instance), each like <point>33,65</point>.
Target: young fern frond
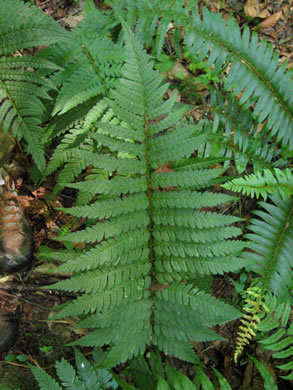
<point>264,183</point>
<point>22,88</point>
<point>254,308</point>
<point>145,225</point>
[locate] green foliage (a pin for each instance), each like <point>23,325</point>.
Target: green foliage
<point>86,377</point>
<point>148,230</point>
<point>143,172</point>
<point>264,184</point>
<point>23,81</point>
<point>276,334</point>
<point>270,251</point>
<point>234,134</point>
<point>265,88</point>
<point>270,246</point>
<point>269,383</point>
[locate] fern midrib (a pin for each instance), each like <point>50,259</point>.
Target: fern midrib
<point>249,64</point>
<point>272,264</point>
<point>149,194</point>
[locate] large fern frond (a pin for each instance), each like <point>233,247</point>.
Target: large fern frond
<point>145,222</point>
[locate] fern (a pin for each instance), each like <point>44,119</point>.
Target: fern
<point>22,88</point>
<point>91,62</point>
<point>152,20</point>
<point>271,240</point>
<point>137,237</point>
<point>268,183</point>
<point>280,342</point>
<point>87,377</point>
<point>269,382</point>
<point>254,310</point>
<point>253,70</point>
<point>235,135</point>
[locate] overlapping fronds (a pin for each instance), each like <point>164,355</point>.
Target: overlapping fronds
<point>152,20</point>
<point>146,224</point>
<point>254,70</point>
<point>235,135</point>
<point>270,253</point>
<point>264,183</point>
<point>22,88</point>
<point>91,62</point>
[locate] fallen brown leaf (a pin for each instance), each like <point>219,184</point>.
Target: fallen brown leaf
<point>271,21</point>
<point>251,8</point>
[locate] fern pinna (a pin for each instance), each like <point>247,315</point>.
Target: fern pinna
<point>148,238</point>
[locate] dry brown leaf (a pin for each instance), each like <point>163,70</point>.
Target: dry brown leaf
<point>263,14</point>
<point>271,21</point>
<point>73,20</point>
<point>251,8</point>
<point>172,92</point>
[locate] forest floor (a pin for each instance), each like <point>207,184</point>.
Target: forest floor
<point>42,343</point>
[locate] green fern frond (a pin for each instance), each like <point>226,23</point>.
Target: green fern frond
<point>280,342</point>
<point>254,70</point>
<point>201,379</point>
<point>85,378</point>
<point>152,20</point>
<point>21,86</point>
<point>235,134</point>
<point>264,184</point>
<point>25,27</point>
<point>269,383</point>
<point>44,380</point>
<point>141,214</point>
<point>270,246</point>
